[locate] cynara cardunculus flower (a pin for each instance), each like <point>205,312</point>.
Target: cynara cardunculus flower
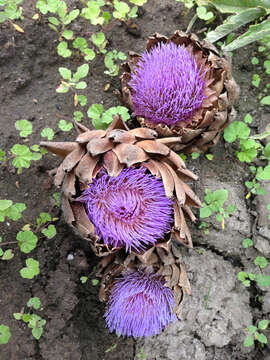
<point>130,210</point>
<point>124,188</point>
<point>140,305</point>
<point>167,85</point>
<point>181,86</point>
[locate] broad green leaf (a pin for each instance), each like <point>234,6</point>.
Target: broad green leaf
<point>62,49</point>
<point>247,155</point>
<point>8,255</point>
<point>236,130</point>
<point>77,116</point>
<point>255,32</point>
<point>261,262</point>
<point>89,54</point>
<point>83,279</point>
<point>248,119</point>
<point>252,329</point>
<point>31,269</point>
<point>47,133</point>
<point>234,22</point>
<point>247,243</point>
<point>27,241</point>
<point>4,334</point>
<point>205,211</point>
<point>34,302</point>
<point>80,43</point>
<point>65,73</point>
<point>71,16</point>
<point>53,20</point>
<point>67,34</point>
<point>195,155</point>
<point>262,338</point>
<point>254,60</point>
<point>217,197</point>
<point>138,2</point>
<point>65,126</point>
<point>81,85</point>
<point>98,39</point>
<point>242,276</point>
<point>82,100</point>
<point>23,156</point>
<point>26,318</point>
<point>133,12</point>
<point>81,72</point>
<point>43,218</point>
<point>121,7</point>
<point>263,174</point>
<point>263,324</point>
<point>25,127</point>
<point>107,117</point>
<point>63,88</point>
<point>5,204</point>
<point>17,316</point>
<point>266,100</point>
<point>249,341</point>
<point>256,80</point>
<point>37,332</point>
<point>50,232</point>
<point>263,280</point>
<point>236,6</point>
<point>91,12</point>
<point>95,282</point>
<point>203,13</point>
<point>95,111</point>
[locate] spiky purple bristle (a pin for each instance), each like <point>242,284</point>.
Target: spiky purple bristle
<point>130,210</point>
<point>167,85</point>
<point>140,305</point>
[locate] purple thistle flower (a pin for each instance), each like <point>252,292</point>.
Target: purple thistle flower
<point>167,85</point>
<point>129,210</point>
<point>140,305</point>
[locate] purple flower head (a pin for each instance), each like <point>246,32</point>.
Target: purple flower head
<point>140,305</point>
<point>167,85</point>
<point>130,210</point>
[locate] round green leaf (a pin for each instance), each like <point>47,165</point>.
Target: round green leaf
<point>34,302</point>
<point>47,133</point>
<point>27,241</point>
<point>4,334</point>
<point>65,73</point>
<point>249,341</point>
<point>65,126</point>
<point>266,100</point>
<point>50,232</point>
<point>25,127</point>
<point>5,204</point>
<point>261,262</point>
<point>263,324</point>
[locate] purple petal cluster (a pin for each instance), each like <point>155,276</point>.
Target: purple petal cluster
<point>167,85</point>
<point>130,210</point>
<point>140,305</point>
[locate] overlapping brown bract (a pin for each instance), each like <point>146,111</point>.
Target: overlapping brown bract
<point>165,261</point>
<point>113,149</point>
<point>216,111</point>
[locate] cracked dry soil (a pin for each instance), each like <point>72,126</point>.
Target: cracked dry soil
<point>75,329</point>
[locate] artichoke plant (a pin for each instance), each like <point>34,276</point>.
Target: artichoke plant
<point>144,293</point>
<point>124,188</point>
<point>180,87</point>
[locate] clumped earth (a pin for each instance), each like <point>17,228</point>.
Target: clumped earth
<point>215,317</point>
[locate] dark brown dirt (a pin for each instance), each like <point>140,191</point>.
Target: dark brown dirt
<point>29,65</point>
